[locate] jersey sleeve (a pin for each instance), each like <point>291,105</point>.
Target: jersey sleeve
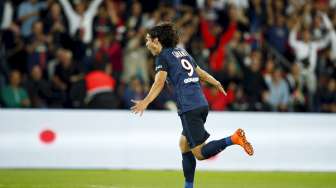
<point>161,64</point>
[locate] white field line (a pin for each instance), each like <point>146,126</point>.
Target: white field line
<point>102,186</point>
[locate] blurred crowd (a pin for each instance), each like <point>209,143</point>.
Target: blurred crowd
<point>270,55</point>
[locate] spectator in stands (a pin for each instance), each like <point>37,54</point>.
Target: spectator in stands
<point>81,19</point>
<point>240,103</point>
<point>3,68</point>
<point>277,34</point>
<point>327,97</point>
<point>38,88</point>
<point>37,47</point>
<point>297,89</point>
<point>329,25</point>
<point>100,87</point>
<point>66,73</point>
<point>110,49</point>
<point>329,67</point>
<point>102,24</point>
<point>135,90</point>
<point>116,11</point>
<point>256,15</point>
<point>278,92</point>
<point>187,31</point>
<point>134,21</point>
<point>54,19</point>
<point>210,9</point>
<point>80,23</point>
<point>135,60</point>
<point>216,58</point>
<point>306,53</point>
<point>217,101</point>
<point>55,28</point>
<point>268,70</point>
<point>255,88</point>
<point>14,48</point>
<point>230,75</point>
<point>28,13</point>
<point>13,95</point>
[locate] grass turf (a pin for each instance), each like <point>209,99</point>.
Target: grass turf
<point>161,179</point>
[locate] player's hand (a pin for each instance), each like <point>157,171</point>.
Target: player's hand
<point>139,106</point>
<point>220,88</point>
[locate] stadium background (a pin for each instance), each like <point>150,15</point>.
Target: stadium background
<point>271,56</point>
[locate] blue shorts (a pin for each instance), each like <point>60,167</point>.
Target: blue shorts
<point>193,126</point>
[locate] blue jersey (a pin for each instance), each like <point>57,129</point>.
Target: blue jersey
<point>180,67</point>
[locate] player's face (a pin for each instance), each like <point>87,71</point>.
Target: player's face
<point>153,45</point>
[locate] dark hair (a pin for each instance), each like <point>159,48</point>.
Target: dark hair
<point>166,34</point>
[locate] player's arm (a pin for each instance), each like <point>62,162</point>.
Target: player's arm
<point>204,76</point>
<point>141,105</point>
<point>157,86</point>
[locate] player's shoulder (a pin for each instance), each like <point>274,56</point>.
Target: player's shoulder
<point>166,52</point>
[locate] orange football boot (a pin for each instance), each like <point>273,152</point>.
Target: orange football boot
<point>239,138</point>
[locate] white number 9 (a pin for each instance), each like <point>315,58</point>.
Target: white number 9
<point>187,66</point>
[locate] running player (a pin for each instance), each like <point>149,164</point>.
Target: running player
<point>180,69</point>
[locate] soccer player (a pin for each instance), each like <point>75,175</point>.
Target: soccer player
<point>180,69</point>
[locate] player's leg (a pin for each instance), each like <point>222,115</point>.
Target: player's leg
<point>205,151</point>
<point>193,126</point>
<point>188,162</point>
<point>193,129</point>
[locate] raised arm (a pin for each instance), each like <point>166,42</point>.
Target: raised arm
<point>92,10</point>
<point>68,10</point>
<point>325,41</point>
<point>204,76</point>
<point>209,39</point>
<point>293,42</point>
<point>332,32</point>
<point>141,105</point>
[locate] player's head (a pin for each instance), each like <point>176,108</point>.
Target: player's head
<point>161,36</point>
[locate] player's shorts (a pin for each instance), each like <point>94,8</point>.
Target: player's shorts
<point>193,126</point>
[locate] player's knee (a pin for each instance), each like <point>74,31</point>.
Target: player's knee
<point>184,147</point>
<point>198,156</point>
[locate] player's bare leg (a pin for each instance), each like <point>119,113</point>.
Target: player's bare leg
<point>188,162</point>
<point>197,151</point>
<point>184,147</point>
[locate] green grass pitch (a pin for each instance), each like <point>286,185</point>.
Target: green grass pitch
<point>161,179</point>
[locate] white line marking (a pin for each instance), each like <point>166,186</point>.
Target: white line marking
<point>101,186</point>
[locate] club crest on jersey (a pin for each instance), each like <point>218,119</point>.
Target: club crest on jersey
<point>158,67</point>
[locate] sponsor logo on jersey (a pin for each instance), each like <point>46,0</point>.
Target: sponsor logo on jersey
<point>192,79</point>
